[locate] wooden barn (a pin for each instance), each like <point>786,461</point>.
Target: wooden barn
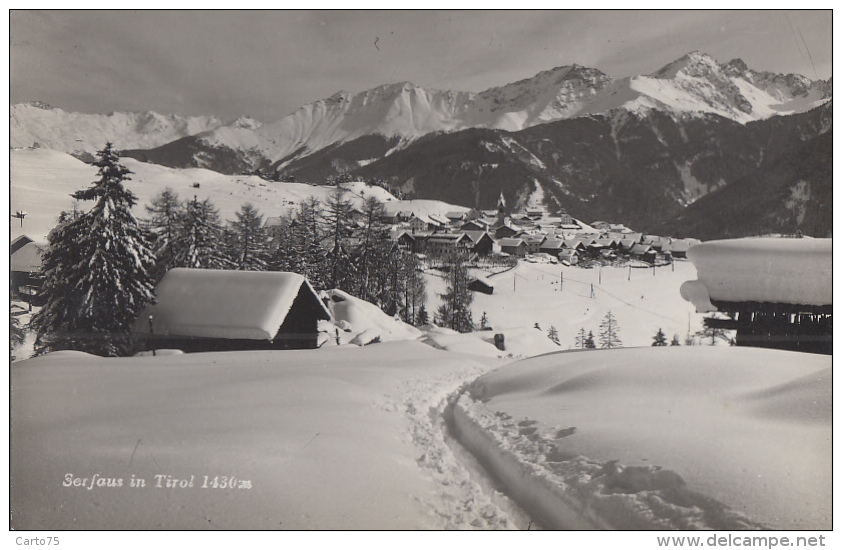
<point>216,310</point>
<point>775,292</point>
<point>481,284</point>
<point>513,247</point>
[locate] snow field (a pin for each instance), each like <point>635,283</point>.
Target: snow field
<point>42,181</point>
<point>341,438</point>
<point>663,438</point>
<point>535,293</point>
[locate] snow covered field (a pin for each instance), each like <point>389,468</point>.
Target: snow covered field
<point>355,437</point>
<point>343,438</point>
<point>42,181</point>
<point>534,293</point>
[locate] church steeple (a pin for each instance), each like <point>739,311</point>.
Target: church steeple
<point>501,210</point>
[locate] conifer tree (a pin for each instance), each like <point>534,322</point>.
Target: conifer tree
<point>675,341</point>
<point>581,338</point>
<point>408,286</point>
<point>483,322</point>
<point>97,269</point>
<point>166,212</point>
<point>422,318</point>
<point>660,339</point>
<point>455,310</point>
<point>249,243</point>
<point>337,218</point>
<point>552,334</point>
<point>298,249</point>
<point>609,332</point>
<point>589,341</point>
<point>199,238</point>
<point>374,236</point>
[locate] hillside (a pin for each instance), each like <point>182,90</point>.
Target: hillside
<point>636,169</point>
<point>792,194</point>
<point>42,181</point>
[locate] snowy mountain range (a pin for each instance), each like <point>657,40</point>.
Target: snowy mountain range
<point>638,149</point>
<point>694,84</point>
<point>41,125</point>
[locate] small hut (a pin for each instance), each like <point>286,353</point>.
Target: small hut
<point>481,284</point>
<point>216,310</point>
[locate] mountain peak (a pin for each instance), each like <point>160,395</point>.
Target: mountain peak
<point>694,63</point>
<point>247,122</point>
<point>40,105</point>
<point>736,67</point>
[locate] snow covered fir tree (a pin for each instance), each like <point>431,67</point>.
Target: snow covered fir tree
<point>98,270</point>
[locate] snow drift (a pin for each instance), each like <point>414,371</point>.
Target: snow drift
<point>663,438</point>
<point>339,438</point>
<point>360,322</point>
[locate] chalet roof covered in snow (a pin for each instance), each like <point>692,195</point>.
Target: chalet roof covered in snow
<point>475,236</point>
<point>27,257</point>
<point>210,303</point>
<point>772,270</point>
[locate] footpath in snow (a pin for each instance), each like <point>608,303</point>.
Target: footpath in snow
<point>342,438</point>
<point>658,438</point>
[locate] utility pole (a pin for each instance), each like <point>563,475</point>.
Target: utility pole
<point>151,331</point>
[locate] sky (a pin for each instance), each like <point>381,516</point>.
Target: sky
<point>266,64</point>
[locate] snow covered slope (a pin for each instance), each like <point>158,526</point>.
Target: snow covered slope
<point>687,438</point>
<point>354,438</point>
<point>53,128</point>
<point>341,438</point>
<point>641,302</point>
<point>42,181</point>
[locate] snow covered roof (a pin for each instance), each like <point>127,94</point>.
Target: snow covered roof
<point>19,243</point>
<point>475,236</point>
<point>680,245</point>
<point>439,219</point>
<point>480,279</point>
<point>774,270</point>
<point>640,248</point>
<point>552,244</point>
<point>447,237</point>
<point>211,303</point>
<point>27,257</point>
